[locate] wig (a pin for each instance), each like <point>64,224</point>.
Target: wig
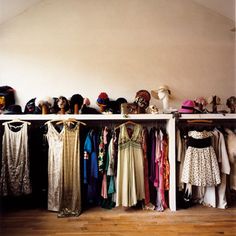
<point>76,99</point>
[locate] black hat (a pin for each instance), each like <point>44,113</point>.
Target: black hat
<point>121,100</point>
<point>76,99</point>
<point>13,109</point>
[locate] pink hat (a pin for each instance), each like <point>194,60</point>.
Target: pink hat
<point>187,107</point>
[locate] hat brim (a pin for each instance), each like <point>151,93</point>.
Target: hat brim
<point>154,93</point>
<point>188,111</point>
<point>12,113</point>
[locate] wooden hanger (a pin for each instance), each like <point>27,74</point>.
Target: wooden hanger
<point>199,121</point>
<point>51,121</point>
<point>17,120</point>
<point>60,121</point>
<point>129,122</point>
<point>74,121</point>
<point>70,120</point>
<point>200,125</point>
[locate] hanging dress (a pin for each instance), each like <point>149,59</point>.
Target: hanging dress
<point>111,168</point>
<point>145,156</point>
<point>90,170</point>
<point>55,145</point>
<point>200,165</point>
<point>15,177</point>
<point>70,204</point>
<point>163,170</point>
<point>130,168</point>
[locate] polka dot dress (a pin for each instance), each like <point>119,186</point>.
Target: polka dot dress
<point>200,165</point>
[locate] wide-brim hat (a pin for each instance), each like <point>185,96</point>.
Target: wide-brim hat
<point>162,88</point>
<point>187,107</point>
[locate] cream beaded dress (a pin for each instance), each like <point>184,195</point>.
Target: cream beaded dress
<point>130,169</point>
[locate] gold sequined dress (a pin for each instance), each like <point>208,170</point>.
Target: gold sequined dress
<point>70,204</point>
<point>15,177</point>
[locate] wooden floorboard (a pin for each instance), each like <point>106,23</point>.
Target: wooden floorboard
<point>198,220</point>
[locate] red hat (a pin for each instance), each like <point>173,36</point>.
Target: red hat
<point>102,99</point>
<point>144,94</point>
<point>187,107</point>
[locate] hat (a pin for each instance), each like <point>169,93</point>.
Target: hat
<point>142,98</point>
<point>121,100</point>
<point>31,108</point>
<point>113,107</point>
<point>231,101</point>
<point>76,99</point>
<point>201,100</point>
<point>86,101</point>
<point>102,99</point>
<point>144,94</point>
<point>231,104</point>
<point>13,109</point>
<point>187,107</point>
<point>162,88</point>
<point>40,101</point>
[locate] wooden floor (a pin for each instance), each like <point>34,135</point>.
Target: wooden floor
<point>198,220</point>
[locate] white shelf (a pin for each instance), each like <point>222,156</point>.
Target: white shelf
<point>89,117</point>
<point>208,116</point>
<point>117,117</point>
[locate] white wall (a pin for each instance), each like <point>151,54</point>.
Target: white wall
<point>62,47</point>
<point>12,8</point>
<point>223,7</point>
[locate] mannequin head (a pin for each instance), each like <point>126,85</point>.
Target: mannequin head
<point>44,104</point>
<point>63,104</point>
<point>231,104</point>
<point>163,94</point>
<point>76,102</point>
<point>142,99</point>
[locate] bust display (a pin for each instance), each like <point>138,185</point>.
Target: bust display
<point>163,94</point>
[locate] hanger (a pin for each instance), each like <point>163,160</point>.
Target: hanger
<point>129,122</point>
<point>17,120</point>
<point>51,121</point>
<point>199,121</point>
<point>200,125</point>
<point>70,120</point>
